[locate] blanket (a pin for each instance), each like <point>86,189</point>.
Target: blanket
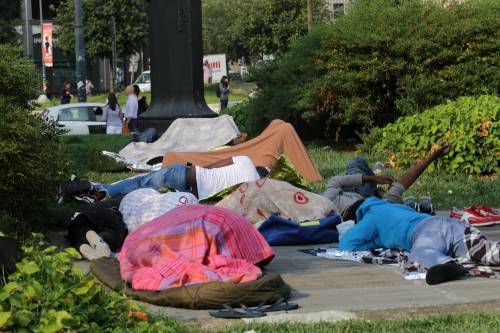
<point>260,199</point>
<point>411,270</point>
<point>193,244</point>
<point>277,139</point>
<point>185,134</point>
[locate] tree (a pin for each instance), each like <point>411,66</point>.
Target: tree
<point>131,26</point>
<point>9,14</point>
<point>256,27</point>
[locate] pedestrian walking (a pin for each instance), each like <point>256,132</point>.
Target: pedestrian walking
<point>88,87</point>
<point>113,115</point>
<point>207,73</point>
<point>223,92</point>
<point>142,101</point>
<point>131,109</point>
<point>66,93</point>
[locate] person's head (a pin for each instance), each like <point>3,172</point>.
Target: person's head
<point>206,63</point>
<point>129,90</point>
<point>112,101</point>
<point>224,80</point>
<point>67,86</point>
<point>350,213</point>
<point>262,171</point>
<point>137,90</point>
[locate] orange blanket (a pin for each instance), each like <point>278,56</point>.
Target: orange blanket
<point>277,139</point>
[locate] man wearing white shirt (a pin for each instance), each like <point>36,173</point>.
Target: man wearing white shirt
<point>131,109</point>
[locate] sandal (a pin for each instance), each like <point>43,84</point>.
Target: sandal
<point>229,313</point>
<point>280,305</point>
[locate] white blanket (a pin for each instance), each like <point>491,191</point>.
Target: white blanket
<point>185,135</point>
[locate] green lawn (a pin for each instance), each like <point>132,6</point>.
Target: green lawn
<point>210,98</point>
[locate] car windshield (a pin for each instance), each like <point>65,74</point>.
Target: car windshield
<point>86,113</point>
<point>144,78</point>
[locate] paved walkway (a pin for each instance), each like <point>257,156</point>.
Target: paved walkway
<point>332,290</point>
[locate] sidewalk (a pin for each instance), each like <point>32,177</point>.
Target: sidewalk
<point>331,290</point>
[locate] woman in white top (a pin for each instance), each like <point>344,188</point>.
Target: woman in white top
<point>113,115</point>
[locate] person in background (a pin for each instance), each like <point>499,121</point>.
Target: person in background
<point>66,93</point>
<point>113,115</point>
<point>142,101</point>
<point>46,90</point>
<point>224,92</point>
<point>207,73</point>
<point>88,87</point>
<point>131,109</point>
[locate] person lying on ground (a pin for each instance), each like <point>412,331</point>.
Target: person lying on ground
<point>360,182</point>
<point>200,181</point>
<point>434,242</point>
<point>279,138</point>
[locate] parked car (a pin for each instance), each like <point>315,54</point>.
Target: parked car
<point>77,118</point>
<point>144,81</point>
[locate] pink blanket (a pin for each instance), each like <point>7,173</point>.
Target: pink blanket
<point>193,244</point>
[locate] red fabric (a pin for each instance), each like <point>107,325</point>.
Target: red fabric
<point>193,244</point>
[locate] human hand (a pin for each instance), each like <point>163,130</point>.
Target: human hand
<point>384,179</point>
<point>442,150</point>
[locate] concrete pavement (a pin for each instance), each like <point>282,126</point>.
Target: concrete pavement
<point>334,290</point>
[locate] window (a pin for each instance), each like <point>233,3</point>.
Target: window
<point>144,78</point>
<point>79,114</point>
<point>338,10</point>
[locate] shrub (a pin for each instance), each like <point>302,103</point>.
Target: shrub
<point>48,293</point>
<point>383,60</point>
<point>470,125</point>
<point>19,81</point>
<point>33,162</point>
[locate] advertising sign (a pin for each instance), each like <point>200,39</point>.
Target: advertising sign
<point>218,65</point>
<point>47,47</point>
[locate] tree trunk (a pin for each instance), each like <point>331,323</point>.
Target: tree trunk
<point>112,78</point>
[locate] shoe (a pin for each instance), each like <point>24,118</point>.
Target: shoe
<point>88,252</point>
<point>488,212</point>
<point>411,202</point>
<point>472,217</point>
<point>378,168</point>
<point>98,244</point>
<point>425,206</point>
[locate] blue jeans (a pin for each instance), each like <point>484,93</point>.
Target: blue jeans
<point>223,104</point>
<point>173,177</point>
<point>437,240</point>
<point>359,166</point>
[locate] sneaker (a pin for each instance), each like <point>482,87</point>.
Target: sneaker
<point>88,252</point>
<point>98,244</point>
<point>425,206</point>
<point>488,212</point>
<point>472,217</point>
<point>378,168</point>
<point>411,202</point>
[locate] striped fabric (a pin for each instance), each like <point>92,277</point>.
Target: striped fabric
<point>193,244</point>
<point>479,249</point>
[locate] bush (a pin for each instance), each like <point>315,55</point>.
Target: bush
<point>381,61</point>
<point>33,163</point>
<point>19,81</point>
<point>470,125</point>
<point>49,294</point>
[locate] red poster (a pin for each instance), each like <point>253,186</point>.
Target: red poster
<point>47,47</point>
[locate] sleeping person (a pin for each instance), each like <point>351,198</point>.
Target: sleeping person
<point>200,181</point>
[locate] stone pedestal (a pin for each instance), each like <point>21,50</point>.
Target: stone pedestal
<point>176,64</point>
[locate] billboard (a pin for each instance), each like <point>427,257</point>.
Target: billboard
<point>47,47</point>
<point>218,65</point>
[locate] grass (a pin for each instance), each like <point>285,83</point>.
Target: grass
<point>210,98</point>
<point>446,190</point>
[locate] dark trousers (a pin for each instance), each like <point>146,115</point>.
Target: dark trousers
<point>223,104</point>
<point>132,125</point>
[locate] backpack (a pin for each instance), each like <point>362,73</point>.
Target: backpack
<point>217,91</point>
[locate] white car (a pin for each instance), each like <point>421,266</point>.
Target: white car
<point>144,81</point>
<point>77,118</point>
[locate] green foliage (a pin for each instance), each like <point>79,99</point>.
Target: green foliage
<point>9,15</point>
<point>382,60</point>
<point>48,293</point>
<point>131,26</point>
<point>470,125</point>
<point>18,77</point>
<point>255,27</point>
<point>33,163</point>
